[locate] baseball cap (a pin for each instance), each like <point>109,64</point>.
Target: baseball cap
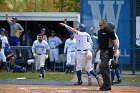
<point>2,30</point>
<point>43,30</point>
<point>14,18</point>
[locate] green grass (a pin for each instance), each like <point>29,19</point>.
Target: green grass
<point>34,76</point>
<point>133,79</point>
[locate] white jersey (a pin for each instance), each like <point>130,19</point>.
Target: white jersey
<point>83,41</point>
<point>70,45</point>
<point>4,40</point>
<point>40,47</point>
<point>54,42</point>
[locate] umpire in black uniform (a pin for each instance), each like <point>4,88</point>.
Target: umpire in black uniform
<point>104,36</point>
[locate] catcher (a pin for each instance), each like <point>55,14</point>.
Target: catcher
<point>114,62</point>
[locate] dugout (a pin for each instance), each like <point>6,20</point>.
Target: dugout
<point>32,23</point>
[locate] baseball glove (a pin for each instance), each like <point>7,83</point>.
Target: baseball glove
<point>114,64</point>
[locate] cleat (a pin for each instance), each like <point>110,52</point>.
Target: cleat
<point>72,72</point>
<point>99,79</point>
<point>89,81</point>
<point>105,89</point>
<point>78,83</point>
<point>67,71</point>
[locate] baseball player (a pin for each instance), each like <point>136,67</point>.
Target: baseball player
<point>70,49</point>
<point>7,50</point>
<point>40,50</point>
<point>54,43</point>
<point>4,41</point>
<point>97,60</point>
<point>114,71</point>
<point>84,55</point>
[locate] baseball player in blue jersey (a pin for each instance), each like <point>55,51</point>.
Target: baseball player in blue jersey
<point>40,50</point>
<point>54,43</point>
<point>70,49</point>
<point>84,55</point>
<point>4,41</point>
<point>114,71</point>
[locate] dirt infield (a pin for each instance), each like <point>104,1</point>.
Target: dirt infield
<point>12,88</point>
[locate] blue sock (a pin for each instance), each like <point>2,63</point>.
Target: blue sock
<point>71,67</point>
<point>52,65</point>
<point>79,75</point>
<point>42,71</point>
<point>92,72</point>
<point>112,75</point>
<point>117,73</point>
<point>5,66</point>
<point>87,73</point>
<point>95,66</point>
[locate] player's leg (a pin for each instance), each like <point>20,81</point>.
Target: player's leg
<point>68,63</point>
<point>56,55</point>
<point>79,59</point>
<point>73,59</point>
<point>42,63</point>
<point>118,75</point>
<point>3,58</point>
<point>51,60</point>
<point>112,76</point>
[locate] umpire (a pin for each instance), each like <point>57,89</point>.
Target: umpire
<point>104,37</point>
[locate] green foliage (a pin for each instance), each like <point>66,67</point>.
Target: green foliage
<point>39,5</point>
<point>34,76</point>
<point>68,5</point>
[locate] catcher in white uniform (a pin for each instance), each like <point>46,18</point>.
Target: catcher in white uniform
<point>4,41</point>
<point>54,43</point>
<point>40,50</point>
<point>84,54</point>
<point>70,49</point>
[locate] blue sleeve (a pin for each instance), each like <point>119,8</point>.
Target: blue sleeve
<point>69,31</point>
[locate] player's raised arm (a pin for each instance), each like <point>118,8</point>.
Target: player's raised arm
<point>68,27</point>
<point>7,19</point>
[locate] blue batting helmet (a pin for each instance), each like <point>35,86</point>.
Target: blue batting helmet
<point>111,25</point>
<point>2,30</point>
<point>82,27</point>
<point>14,18</point>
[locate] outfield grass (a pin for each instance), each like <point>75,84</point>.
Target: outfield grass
<point>34,76</point>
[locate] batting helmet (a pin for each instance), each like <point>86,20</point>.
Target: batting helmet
<point>82,27</point>
<point>14,18</point>
<point>111,25</point>
<point>2,30</point>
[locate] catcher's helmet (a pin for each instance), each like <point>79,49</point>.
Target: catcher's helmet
<point>82,27</point>
<point>2,30</point>
<point>111,25</point>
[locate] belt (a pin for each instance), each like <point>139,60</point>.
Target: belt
<point>71,51</point>
<point>53,48</point>
<point>40,54</point>
<point>82,50</point>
